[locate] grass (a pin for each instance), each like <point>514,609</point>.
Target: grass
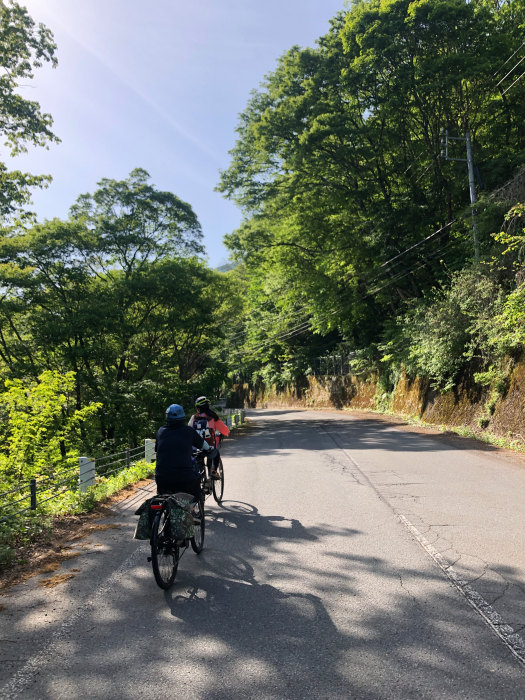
<point>508,442</point>
<point>22,530</point>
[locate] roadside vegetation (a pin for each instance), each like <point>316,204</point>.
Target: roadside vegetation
<point>357,240</point>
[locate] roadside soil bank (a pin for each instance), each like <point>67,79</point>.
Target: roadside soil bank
<point>48,552</point>
<point>481,410</point>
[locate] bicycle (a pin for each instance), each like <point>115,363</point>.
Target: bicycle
<point>210,485</point>
<point>165,550</point>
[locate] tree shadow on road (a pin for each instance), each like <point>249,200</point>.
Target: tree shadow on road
<point>353,432</point>
<point>276,609</point>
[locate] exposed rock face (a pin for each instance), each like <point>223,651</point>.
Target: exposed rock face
<point>464,405</point>
<point>509,414</point>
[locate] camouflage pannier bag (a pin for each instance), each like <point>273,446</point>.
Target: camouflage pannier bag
<point>145,523</point>
<point>181,518</point>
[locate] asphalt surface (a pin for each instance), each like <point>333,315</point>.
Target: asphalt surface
<point>349,559</point>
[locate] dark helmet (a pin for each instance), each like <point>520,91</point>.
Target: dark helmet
<point>202,402</point>
<point>175,412</point>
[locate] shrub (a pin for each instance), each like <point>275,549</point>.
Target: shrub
<point>439,335</point>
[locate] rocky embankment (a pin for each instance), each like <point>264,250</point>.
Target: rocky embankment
<point>467,405</point>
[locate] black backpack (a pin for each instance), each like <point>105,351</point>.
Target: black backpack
<point>202,426</point>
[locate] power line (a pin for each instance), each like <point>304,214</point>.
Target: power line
<point>514,83</point>
<point>303,327</point>
<point>373,278</point>
<point>416,245</point>
<point>511,71</point>
<point>508,59</point>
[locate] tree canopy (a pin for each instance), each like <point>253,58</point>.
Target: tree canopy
<point>116,294</point>
<point>24,47</point>
<point>350,208</point>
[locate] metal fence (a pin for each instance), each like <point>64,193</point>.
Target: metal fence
<point>332,365</point>
<point>234,416</point>
<point>79,477</point>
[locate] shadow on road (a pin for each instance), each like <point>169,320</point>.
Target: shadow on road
<point>302,628</point>
<point>352,433</point>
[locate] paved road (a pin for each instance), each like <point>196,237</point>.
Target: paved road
<point>326,574</point>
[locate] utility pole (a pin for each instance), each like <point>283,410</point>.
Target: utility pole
<point>445,138</point>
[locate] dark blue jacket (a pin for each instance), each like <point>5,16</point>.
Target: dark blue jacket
<point>174,449</point>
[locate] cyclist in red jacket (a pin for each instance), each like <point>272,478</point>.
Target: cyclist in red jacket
<point>208,424</point>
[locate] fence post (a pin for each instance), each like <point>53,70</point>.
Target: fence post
<point>128,462</point>
<point>32,489</point>
<point>86,468</point>
<point>149,450</point>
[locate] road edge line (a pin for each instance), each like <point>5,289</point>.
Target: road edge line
<point>493,619</point>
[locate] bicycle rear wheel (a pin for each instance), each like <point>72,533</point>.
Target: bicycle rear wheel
<point>218,484</point>
<point>197,541</point>
<point>164,552</point>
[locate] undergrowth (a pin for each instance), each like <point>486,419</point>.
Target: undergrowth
<point>509,442</point>
<point>19,531</point>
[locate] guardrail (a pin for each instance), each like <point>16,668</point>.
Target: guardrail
<point>81,476</point>
<point>234,416</point>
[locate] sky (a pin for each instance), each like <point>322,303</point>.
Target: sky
<point>159,86</point>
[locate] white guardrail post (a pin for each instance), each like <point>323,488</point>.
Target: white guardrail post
<point>86,477</point>
<point>149,450</point>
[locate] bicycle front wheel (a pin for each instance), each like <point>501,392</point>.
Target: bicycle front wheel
<point>164,552</point>
<point>218,484</point>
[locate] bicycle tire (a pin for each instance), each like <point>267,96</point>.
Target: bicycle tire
<point>197,541</point>
<point>203,478</point>
<point>218,484</point>
<point>164,552</point>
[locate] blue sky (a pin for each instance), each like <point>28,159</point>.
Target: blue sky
<point>158,85</point>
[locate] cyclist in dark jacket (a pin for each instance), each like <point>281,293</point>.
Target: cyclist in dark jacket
<point>175,470</point>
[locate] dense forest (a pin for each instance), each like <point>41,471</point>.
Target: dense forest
<point>358,234</point>
<point>350,167</point>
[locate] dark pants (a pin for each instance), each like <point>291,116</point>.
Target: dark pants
<point>170,485</point>
<point>213,463</point>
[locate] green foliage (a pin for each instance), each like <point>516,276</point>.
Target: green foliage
<point>25,528</point>
<point>19,532</point>
<point>117,296</point>
<point>507,333</point>
<point>438,336</point>
<point>75,501</point>
<point>42,427</point>
<point>513,236</point>
<point>24,47</point>
<point>337,170</point>
<point>129,223</point>
<point>508,328</point>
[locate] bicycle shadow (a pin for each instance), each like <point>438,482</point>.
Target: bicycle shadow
<point>259,615</point>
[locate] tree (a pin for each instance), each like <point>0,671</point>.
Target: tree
<point>24,46</point>
<point>337,165</point>
<point>41,427</point>
<point>116,296</point>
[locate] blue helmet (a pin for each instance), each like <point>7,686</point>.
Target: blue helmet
<point>175,412</point>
